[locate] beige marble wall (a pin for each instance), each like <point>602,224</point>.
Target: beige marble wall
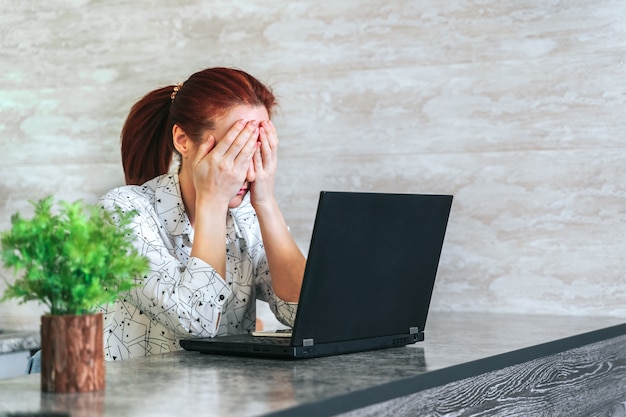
<point>516,108</point>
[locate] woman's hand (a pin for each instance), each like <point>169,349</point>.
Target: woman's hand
<point>219,170</point>
<point>285,259</point>
<point>264,165</point>
<point>220,166</point>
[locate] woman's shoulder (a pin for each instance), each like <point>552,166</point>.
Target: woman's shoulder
<point>130,196</point>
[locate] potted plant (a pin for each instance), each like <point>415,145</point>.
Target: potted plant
<point>72,260</point>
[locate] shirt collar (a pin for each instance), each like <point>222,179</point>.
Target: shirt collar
<point>233,226</point>
<point>232,230</point>
<point>171,209</point>
<point>170,206</point>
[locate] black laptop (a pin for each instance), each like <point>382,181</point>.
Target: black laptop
<point>368,281</point>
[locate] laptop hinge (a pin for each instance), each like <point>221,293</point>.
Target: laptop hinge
<point>307,342</point>
<point>414,330</point>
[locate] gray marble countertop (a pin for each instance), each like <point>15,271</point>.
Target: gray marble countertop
<point>189,383</point>
<point>18,340</point>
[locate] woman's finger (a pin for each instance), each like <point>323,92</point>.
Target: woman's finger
<point>203,149</point>
<point>235,138</point>
<point>245,154</point>
<point>269,146</point>
<point>257,159</point>
<point>271,133</point>
<point>250,130</point>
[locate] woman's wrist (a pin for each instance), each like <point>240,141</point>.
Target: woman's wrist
<point>266,207</point>
<point>209,204</point>
<point>209,231</point>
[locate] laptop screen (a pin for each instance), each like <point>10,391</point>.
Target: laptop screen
<point>371,265</point>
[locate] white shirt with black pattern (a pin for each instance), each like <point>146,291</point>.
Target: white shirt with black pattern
<point>183,296</point>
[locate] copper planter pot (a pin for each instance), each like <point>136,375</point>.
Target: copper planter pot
<point>72,353</point>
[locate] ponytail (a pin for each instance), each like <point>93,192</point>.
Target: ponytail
<point>147,138</point>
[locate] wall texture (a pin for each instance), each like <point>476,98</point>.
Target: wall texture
<point>516,108</point>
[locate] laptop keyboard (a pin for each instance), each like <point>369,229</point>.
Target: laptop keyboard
<point>278,341</point>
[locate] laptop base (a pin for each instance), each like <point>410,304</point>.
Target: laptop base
<point>279,348</point>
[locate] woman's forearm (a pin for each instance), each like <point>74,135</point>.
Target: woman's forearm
<point>209,243</point>
<point>285,259</point>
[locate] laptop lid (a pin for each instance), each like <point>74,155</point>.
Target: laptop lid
<point>371,266</point>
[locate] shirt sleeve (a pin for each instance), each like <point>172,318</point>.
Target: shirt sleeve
<point>189,299</point>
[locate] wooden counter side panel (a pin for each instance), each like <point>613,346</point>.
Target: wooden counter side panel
<point>586,381</point>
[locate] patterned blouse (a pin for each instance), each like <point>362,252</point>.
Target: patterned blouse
<point>182,296</point>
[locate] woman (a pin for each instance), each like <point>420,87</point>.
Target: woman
<point>210,224</point>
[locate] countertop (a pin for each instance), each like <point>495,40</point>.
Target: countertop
<point>18,340</point>
<point>457,345</point>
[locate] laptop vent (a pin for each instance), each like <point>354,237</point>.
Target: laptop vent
<point>401,341</point>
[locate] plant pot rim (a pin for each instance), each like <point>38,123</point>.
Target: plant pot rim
<point>71,315</point>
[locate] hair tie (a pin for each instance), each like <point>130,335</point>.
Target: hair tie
<point>177,88</point>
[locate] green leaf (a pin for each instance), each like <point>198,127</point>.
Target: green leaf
<point>73,260</point>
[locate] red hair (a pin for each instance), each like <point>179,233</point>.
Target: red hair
<point>147,146</point>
